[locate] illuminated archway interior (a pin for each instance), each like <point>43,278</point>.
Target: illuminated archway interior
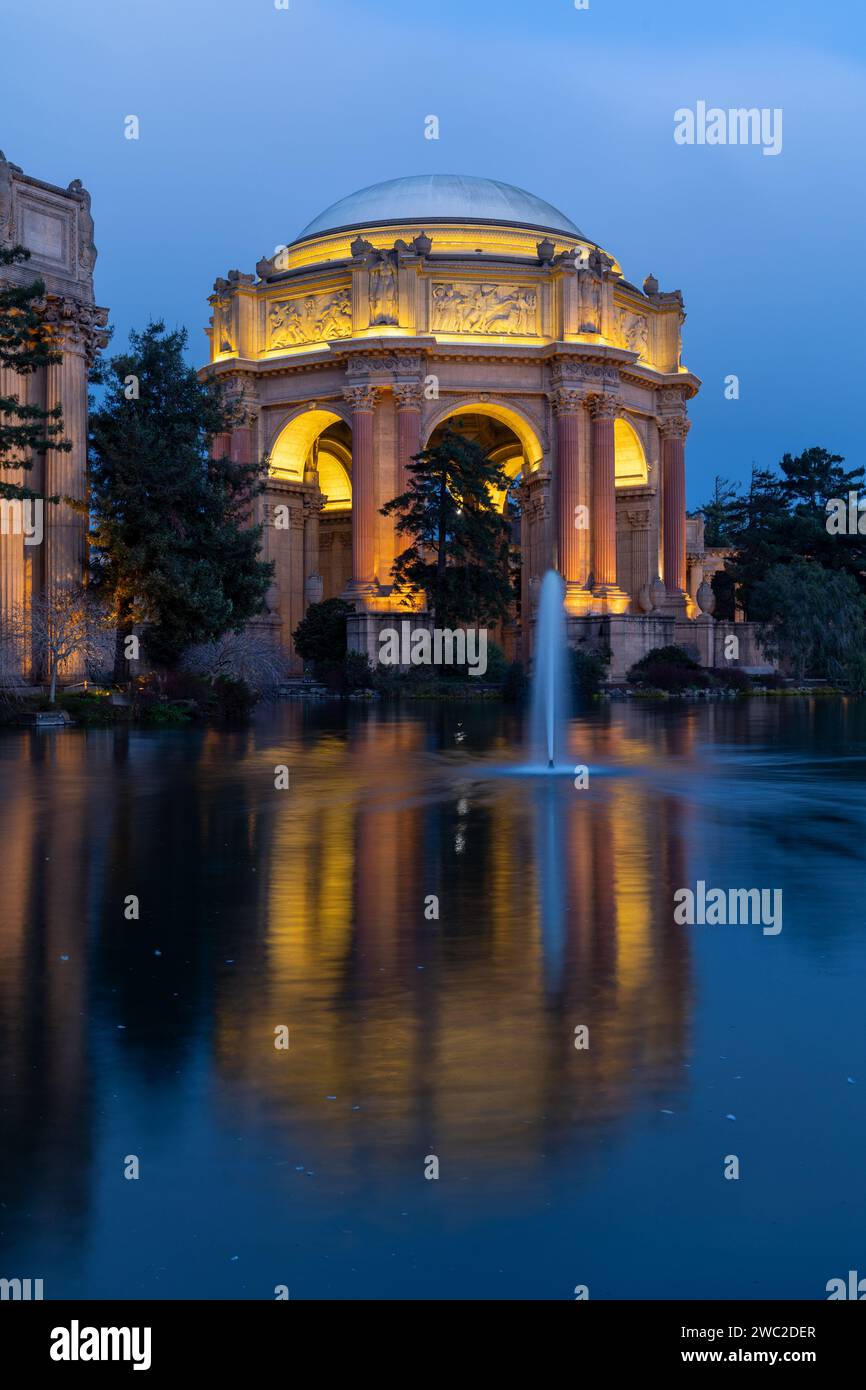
<point>630,465</point>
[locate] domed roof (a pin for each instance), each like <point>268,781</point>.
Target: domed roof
<point>440,198</point>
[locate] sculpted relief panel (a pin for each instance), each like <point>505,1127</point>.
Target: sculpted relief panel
<point>478,307</point>
<point>311,318</point>
<point>633,331</point>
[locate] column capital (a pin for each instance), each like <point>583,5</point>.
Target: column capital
<point>408,395</point>
<point>603,405</point>
<point>361,397</point>
<point>76,325</point>
<point>673,426</point>
<point>314,504</point>
<point>567,400</point>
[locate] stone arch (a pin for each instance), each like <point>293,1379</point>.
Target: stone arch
<point>295,436</point>
<point>630,456</point>
<point>510,415</point>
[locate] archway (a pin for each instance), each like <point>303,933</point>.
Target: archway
<point>311,461</point>
<point>509,441</point>
<point>630,463</point>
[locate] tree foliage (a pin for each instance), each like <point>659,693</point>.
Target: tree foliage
<point>321,634</point>
<point>459,554</point>
<point>812,621</point>
<point>782,516</point>
<point>173,548</point>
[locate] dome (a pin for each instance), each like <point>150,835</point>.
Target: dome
<point>440,198</point>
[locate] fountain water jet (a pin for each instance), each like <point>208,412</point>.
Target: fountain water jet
<point>549,712</point>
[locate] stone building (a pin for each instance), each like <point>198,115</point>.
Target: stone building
<point>439,301</point>
<point>56,226</point>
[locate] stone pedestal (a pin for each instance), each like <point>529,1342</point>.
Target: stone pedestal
<point>626,636</point>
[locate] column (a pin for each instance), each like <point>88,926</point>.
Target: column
<point>568,406</point>
<point>673,430</point>
<point>603,409</point>
<point>313,583</point>
<point>240,444</point>
<point>13,519</point>
<point>65,471</point>
<point>363,402</point>
<point>408,397</point>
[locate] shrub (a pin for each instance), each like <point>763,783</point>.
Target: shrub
<point>358,671</point>
<point>320,636</point>
<point>515,684</point>
<point>669,668</point>
<point>245,656</point>
<point>234,699</point>
<point>734,679</point>
<point>587,670</point>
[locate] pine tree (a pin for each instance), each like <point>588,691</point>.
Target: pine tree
<point>26,344</point>
<point>717,512</point>
<point>172,549</point>
<point>459,555</point>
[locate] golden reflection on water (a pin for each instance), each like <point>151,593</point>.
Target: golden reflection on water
<point>452,1036</point>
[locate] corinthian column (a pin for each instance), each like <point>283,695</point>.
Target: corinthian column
<point>65,472</point>
<point>408,397</point>
<point>568,406</point>
<point>12,516</point>
<point>363,402</point>
<point>673,430</point>
<point>313,586</point>
<point>603,409</point>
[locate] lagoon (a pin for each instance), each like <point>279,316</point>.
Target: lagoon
<point>413,1037</point>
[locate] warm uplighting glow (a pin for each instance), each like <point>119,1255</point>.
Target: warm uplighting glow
<point>631,465</point>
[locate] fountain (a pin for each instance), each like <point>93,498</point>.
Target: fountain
<point>549,711</point>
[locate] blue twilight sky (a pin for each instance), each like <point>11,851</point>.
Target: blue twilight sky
<point>253,119</point>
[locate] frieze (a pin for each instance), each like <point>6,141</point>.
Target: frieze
<point>485,308</point>
<point>401,364</point>
<point>570,370</point>
<point>311,318</point>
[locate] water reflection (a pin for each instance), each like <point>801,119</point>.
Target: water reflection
<point>450,1035</point>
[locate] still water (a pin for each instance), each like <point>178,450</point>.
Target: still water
<point>413,1037</point>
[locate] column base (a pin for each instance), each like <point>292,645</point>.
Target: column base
<point>362,593</point>
<point>578,599</point>
<point>675,605</point>
<point>609,598</point>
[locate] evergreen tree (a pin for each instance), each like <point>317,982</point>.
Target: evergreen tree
<point>172,547</point>
<point>717,512</point>
<point>26,344</point>
<point>812,620</point>
<point>459,555</point>
<point>758,528</point>
<point>784,516</point>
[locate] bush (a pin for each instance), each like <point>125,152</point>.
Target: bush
<point>320,636</point>
<point>733,678</point>
<point>587,670</point>
<point>358,672</point>
<point>245,656</point>
<point>234,699</point>
<point>166,713</point>
<point>669,668</point>
<point>515,684</point>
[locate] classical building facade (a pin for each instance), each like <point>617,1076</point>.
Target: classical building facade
<point>56,226</point>
<point>441,301</point>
